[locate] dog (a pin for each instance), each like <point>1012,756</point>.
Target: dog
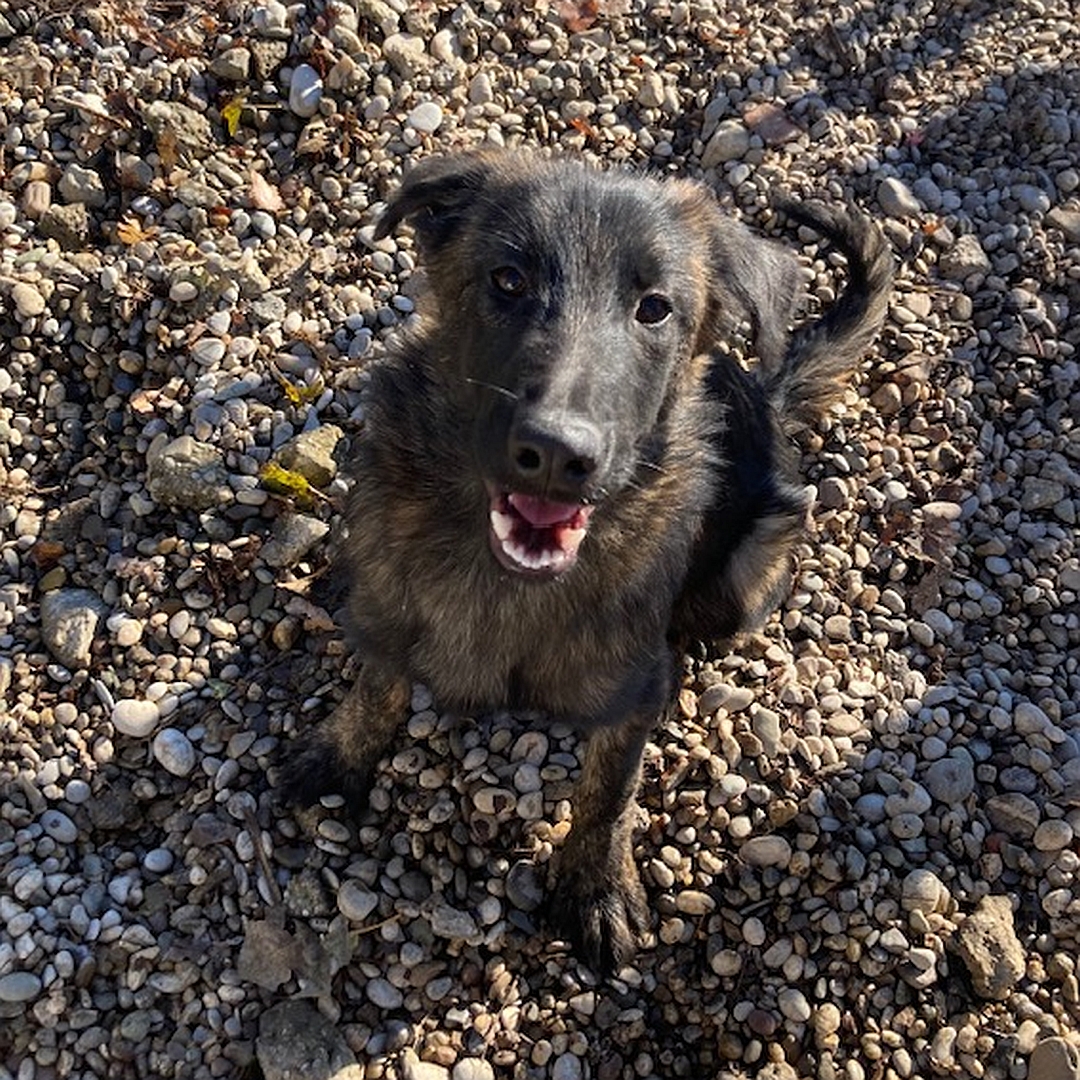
<point>566,475</point>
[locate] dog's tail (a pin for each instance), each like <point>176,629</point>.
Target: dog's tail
<point>822,354</point>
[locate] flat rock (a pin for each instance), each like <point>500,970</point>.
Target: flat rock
<point>896,199</point>
<point>1054,1059</point>
<point>311,454</point>
<point>729,142</point>
<point>187,473</point>
<point>296,1042</point>
<point>69,621</point>
<point>987,943</point>
<point>294,535</point>
<point>964,259</point>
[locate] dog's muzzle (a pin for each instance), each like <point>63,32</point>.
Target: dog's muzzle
<point>536,537</point>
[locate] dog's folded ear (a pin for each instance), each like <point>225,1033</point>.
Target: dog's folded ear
<point>434,195</point>
<point>751,279</point>
<point>765,280</point>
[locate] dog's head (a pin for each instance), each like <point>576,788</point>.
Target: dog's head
<point>571,302</point>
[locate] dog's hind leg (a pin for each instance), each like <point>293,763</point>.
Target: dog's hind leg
<point>598,903</point>
<point>341,754</point>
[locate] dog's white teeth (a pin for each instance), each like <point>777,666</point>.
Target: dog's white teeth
<point>530,560</point>
<point>501,524</point>
<point>570,539</point>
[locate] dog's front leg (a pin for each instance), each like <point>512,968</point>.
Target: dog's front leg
<point>341,754</point>
<point>599,904</point>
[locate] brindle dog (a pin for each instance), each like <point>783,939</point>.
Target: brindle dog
<point>565,476</point>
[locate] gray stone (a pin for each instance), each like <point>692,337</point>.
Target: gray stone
<point>523,888</point>
<point>987,943</point>
<point>1013,813</point>
<point>1032,200</point>
<point>950,780</point>
<point>174,752</point>
<point>412,1068</point>
<point>355,901</point>
<point>1068,221</point>
<point>427,117</point>
<point>69,621</point>
<point>19,986</point>
<point>294,535</point>
<point>68,225</point>
<point>173,120</point>
<point>186,473</point>
<point>382,993</point>
<point>1054,1059</point>
<point>452,923</point>
<point>922,890</point>
<point>27,299</point>
<point>729,142</point>
<point>311,454</point>
<point>232,65</point>
<point>896,199</point>
<point>295,1040</point>
<point>964,259</point>
<point>79,184</point>
<point>763,851</point>
<point>406,54</point>
<point>136,718</point>
<point>59,826</point>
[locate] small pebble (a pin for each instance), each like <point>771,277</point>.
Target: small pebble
<point>133,717</point>
<point>174,751</point>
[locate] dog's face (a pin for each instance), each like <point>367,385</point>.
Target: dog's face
<point>571,304</point>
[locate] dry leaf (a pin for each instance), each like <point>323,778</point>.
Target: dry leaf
<point>168,148</point>
<point>230,113</point>
<point>268,954</point>
<point>314,139</point>
<point>578,17</point>
<point>264,196</point>
<point>286,482</point>
<point>771,123</point>
<point>315,617</point>
<point>129,231</point>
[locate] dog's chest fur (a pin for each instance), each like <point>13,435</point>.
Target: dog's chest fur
<point>428,597</point>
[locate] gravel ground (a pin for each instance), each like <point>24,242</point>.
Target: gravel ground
<point>861,832</point>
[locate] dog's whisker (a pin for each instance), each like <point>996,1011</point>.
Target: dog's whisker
<point>494,387</point>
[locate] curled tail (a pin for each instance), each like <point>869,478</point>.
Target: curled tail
<point>822,354</point>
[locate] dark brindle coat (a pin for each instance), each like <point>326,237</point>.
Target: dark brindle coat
<point>561,479</point>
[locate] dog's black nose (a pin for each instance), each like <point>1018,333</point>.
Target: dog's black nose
<point>557,455</point>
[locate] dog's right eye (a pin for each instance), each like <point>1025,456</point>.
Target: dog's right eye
<point>653,309</point>
<point>509,280</point>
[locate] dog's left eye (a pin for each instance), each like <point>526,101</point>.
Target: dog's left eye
<point>509,280</point>
<point>653,309</point>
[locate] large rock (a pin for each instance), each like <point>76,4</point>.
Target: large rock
<point>186,473</point>
<point>987,943</point>
<point>296,1042</point>
<point>69,621</point>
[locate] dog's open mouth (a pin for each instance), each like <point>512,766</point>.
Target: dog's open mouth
<point>537,536</point>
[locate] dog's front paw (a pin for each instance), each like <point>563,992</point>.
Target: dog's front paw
<point>313,768</point>
<point>602,917</point>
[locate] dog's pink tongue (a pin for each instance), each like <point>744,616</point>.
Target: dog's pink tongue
<point>542,513</point>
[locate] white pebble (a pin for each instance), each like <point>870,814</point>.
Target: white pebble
<point>136,718</point>
<point>158,861</point>
<point>305,91</point>
<point>174,751</point>
<point>426,117</point>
